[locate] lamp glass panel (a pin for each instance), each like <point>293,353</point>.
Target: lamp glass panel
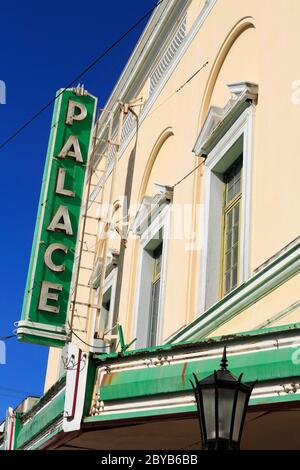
<point>225,404</point>
<point>240,406</point>
<point>208,395</point>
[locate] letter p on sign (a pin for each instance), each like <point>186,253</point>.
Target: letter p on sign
<point>73,114</point>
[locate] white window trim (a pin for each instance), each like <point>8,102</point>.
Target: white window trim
<point>162,221</point>
<point>110,282</point>
<point>243,126</point>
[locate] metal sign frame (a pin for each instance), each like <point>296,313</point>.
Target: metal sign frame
<point>47,296</point>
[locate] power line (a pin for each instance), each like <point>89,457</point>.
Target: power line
<point>4,338</point>
<point>189,173</point>
<point>84,342</point>
<point>80,75</point>
<point>180,88</point>
<point>15,391</point>
<point>192,76</point>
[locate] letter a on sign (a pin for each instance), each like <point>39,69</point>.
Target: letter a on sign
<point>71,149</point>
<point>48,290</point>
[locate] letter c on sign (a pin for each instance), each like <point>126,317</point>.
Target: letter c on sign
<point>48,257</point>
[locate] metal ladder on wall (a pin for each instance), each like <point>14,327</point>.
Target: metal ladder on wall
<point>101,247</point>
<point>85,235</point>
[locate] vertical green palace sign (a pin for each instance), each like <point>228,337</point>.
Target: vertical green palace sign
<point>47,296</point>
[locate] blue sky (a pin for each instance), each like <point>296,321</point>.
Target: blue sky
<point>43,45</point>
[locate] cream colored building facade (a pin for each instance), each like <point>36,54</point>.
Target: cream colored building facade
<point>210,82</point>
<point>189,239</point>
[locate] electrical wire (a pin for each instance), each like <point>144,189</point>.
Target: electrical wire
<point>193,76</point>
<point>84,342</point>
<point>15,391</point>
<point>4,338</point>
<point>111,329</point>
<point>180,88</point>
<point>80,75</point>
<point>190,173</point>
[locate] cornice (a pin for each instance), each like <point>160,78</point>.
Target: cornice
<point>157,31</point>
<point>118,93</point>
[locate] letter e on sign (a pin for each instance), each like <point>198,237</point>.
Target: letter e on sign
<point>46,295</point>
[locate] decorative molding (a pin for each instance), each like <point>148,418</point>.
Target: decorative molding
<point>184,403</point>
<point>279,315</point>
<point>31,324</point>
<point>181,402</point>
<point>36,410</point>
<point>159,142</point>
<point>120,92</point>
<point>282,267</point>
<point>46,399</point>
<point>248,353</point>
<point>113,259</point>
<point>156,35</point>
<point>184,47</point>
<point>150,209</point>
<point>46,415</point>
<point>219,120</point>
<point>239,28</point>
<point>42,334</point>
<point>167,56</point>
<point>44,437</point>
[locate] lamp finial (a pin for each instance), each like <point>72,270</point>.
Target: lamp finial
<point>224,361</point>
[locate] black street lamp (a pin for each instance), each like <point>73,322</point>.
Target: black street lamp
<point>222,401</point>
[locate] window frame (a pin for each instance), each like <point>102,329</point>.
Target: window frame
<point>161,223</point>
<point>227,207</point>
<point>238,139</point>
<point>109,283</point>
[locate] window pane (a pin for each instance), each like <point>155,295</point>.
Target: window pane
<point>228,261</point>
<point>155,291</point>
<point>227,282</point>
<point>238,186</point>
<point>236,214</point>
<point>233,180</point>
<point>154,314</point>
<point>234,256</point>
<point>230,194</point>
<point>231,229</point>
<point>235,234</point>
<point>229,221</point>
<point>229,239</point>
<point>234,277</point>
